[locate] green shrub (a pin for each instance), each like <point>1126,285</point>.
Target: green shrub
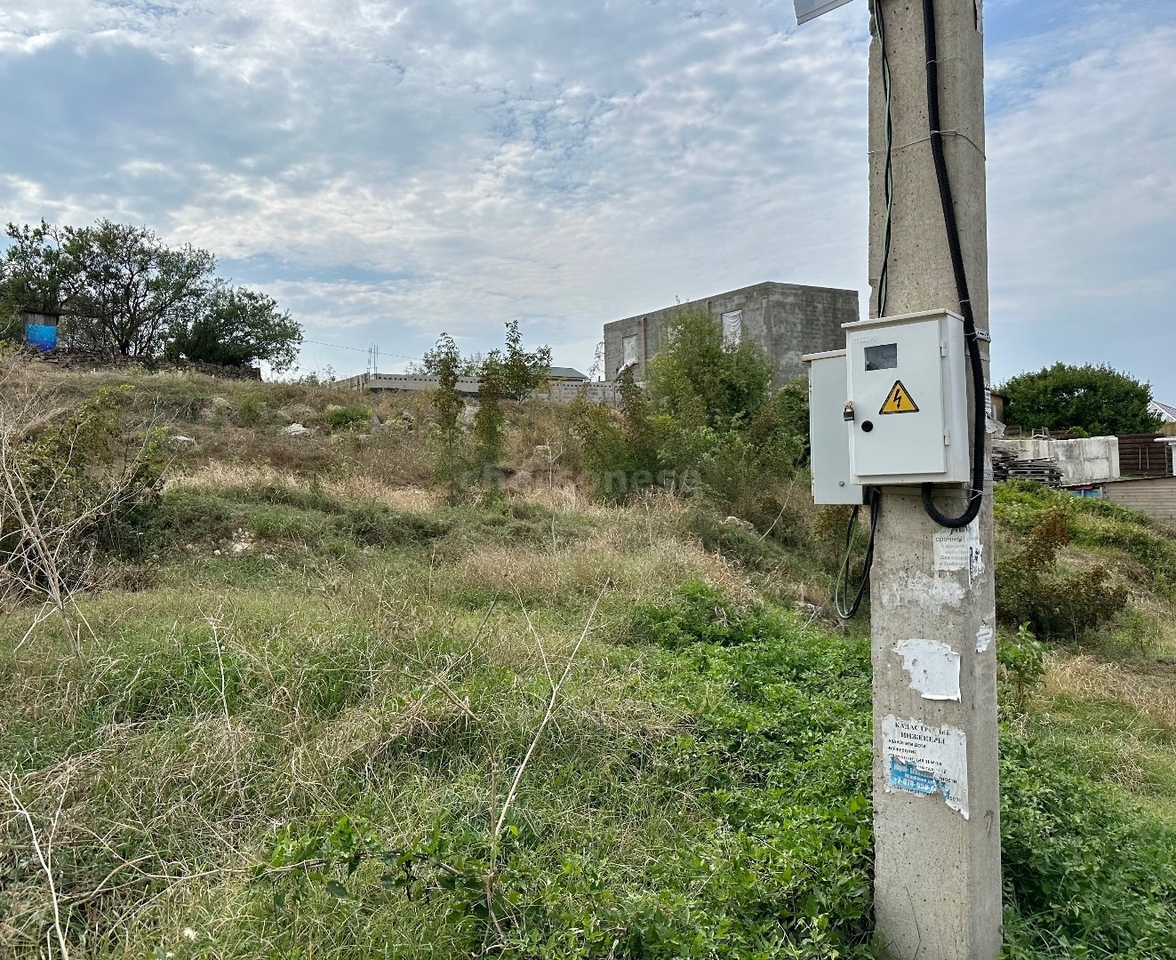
<point>620,454</point>
<point>1135,632</point>
<point>736,543</point>
<point>372,524</point>
<point>191,516</point>
<point>286,495</point>
<point>289,524</point>
<point>699,381</point>
<point>343,418</point>
<point>250,412</point>
<point>75,487</point>
<point>1022,664</point>
<point>1032,589</point>
<point>708,423</point>
<point>701,614</point>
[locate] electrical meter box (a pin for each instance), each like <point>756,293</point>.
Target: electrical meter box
<point>908,400</point>
<point>829,431</point>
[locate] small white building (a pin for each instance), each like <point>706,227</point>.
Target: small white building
<point>1166,413</point>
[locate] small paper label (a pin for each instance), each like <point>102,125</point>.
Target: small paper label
<point>957,550</point>
<point>984,637</point>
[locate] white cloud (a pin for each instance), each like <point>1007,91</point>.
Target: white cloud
<point>1083,202</point>
<point>392,169</point>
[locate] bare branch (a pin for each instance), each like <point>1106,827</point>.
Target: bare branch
<point>44,856</point>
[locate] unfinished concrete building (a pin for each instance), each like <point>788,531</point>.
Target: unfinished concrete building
<point>786,319</point>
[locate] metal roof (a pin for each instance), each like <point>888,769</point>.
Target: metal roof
<point>565,373</point>
<point>1165,411</point>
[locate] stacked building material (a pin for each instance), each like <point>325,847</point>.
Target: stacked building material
<point>1043,471</point>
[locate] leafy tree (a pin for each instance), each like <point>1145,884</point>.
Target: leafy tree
<point>447,406</point>
<point>1098,400</point>
<point>709,422</point>
<point>234,326</point>
<point>490,420</point>
<point>434,359</point>
<point>125,290</point>
<point>522,370</point>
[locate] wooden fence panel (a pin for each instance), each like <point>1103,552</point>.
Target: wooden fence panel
<point>1141,456</point>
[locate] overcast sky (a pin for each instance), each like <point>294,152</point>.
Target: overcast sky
<point>389,169</point>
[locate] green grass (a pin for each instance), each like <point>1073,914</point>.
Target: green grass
<point>296,740</point>
<point>702,791</point>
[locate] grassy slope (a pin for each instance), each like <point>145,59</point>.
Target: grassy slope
<point>318,660</point>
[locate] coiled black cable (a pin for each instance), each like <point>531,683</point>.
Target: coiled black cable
<point>972,339</point>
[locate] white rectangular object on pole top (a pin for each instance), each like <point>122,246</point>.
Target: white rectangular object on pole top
<point>807,10</point>
<point>908,388</point>
<point>828,431</point>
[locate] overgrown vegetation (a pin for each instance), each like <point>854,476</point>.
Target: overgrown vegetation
<point>709,422</point>
<point>1057,605</point>
<point>512,374</point>
<point>322,713</point>
<point>1076,563</point>
<point>68,490</point>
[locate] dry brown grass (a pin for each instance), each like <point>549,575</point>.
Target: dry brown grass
<point>220,474</point>
<point>1151,690</point>
<point>646,563</point>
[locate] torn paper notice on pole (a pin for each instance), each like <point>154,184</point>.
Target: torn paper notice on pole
<point>957,550</point>
<point>934,668</point>
<point>986,635</point>
<point>926,760</point>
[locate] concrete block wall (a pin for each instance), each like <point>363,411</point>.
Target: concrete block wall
<point>787,320</point>
<point>1087,460</point>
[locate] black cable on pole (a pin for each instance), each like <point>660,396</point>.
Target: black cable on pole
<point>972,340</point>
<point>873,501</point>
<point>888,172</point>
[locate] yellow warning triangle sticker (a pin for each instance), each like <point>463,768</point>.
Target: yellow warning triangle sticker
<point>899,400</point>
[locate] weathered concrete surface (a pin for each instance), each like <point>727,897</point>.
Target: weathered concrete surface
<point>786,319</point>
<point>1085,460</point>
<point>938,882</point>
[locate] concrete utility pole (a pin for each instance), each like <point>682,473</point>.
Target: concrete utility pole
<point>938,883</point>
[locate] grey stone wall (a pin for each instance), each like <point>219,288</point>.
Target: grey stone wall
<point>786,319</point>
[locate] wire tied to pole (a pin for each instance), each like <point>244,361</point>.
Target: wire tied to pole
<point>955,248</point>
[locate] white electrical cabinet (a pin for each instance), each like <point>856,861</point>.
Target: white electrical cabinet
<point>907,396</point>
<point>829,431</point>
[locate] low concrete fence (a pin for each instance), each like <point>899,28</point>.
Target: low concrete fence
<point>558,391</point>
<point>1084,461</point>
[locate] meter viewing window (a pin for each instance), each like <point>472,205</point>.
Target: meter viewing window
<point>884,357</point>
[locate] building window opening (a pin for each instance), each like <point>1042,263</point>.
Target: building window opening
<point>732,330</point>
<point>628,351</point>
